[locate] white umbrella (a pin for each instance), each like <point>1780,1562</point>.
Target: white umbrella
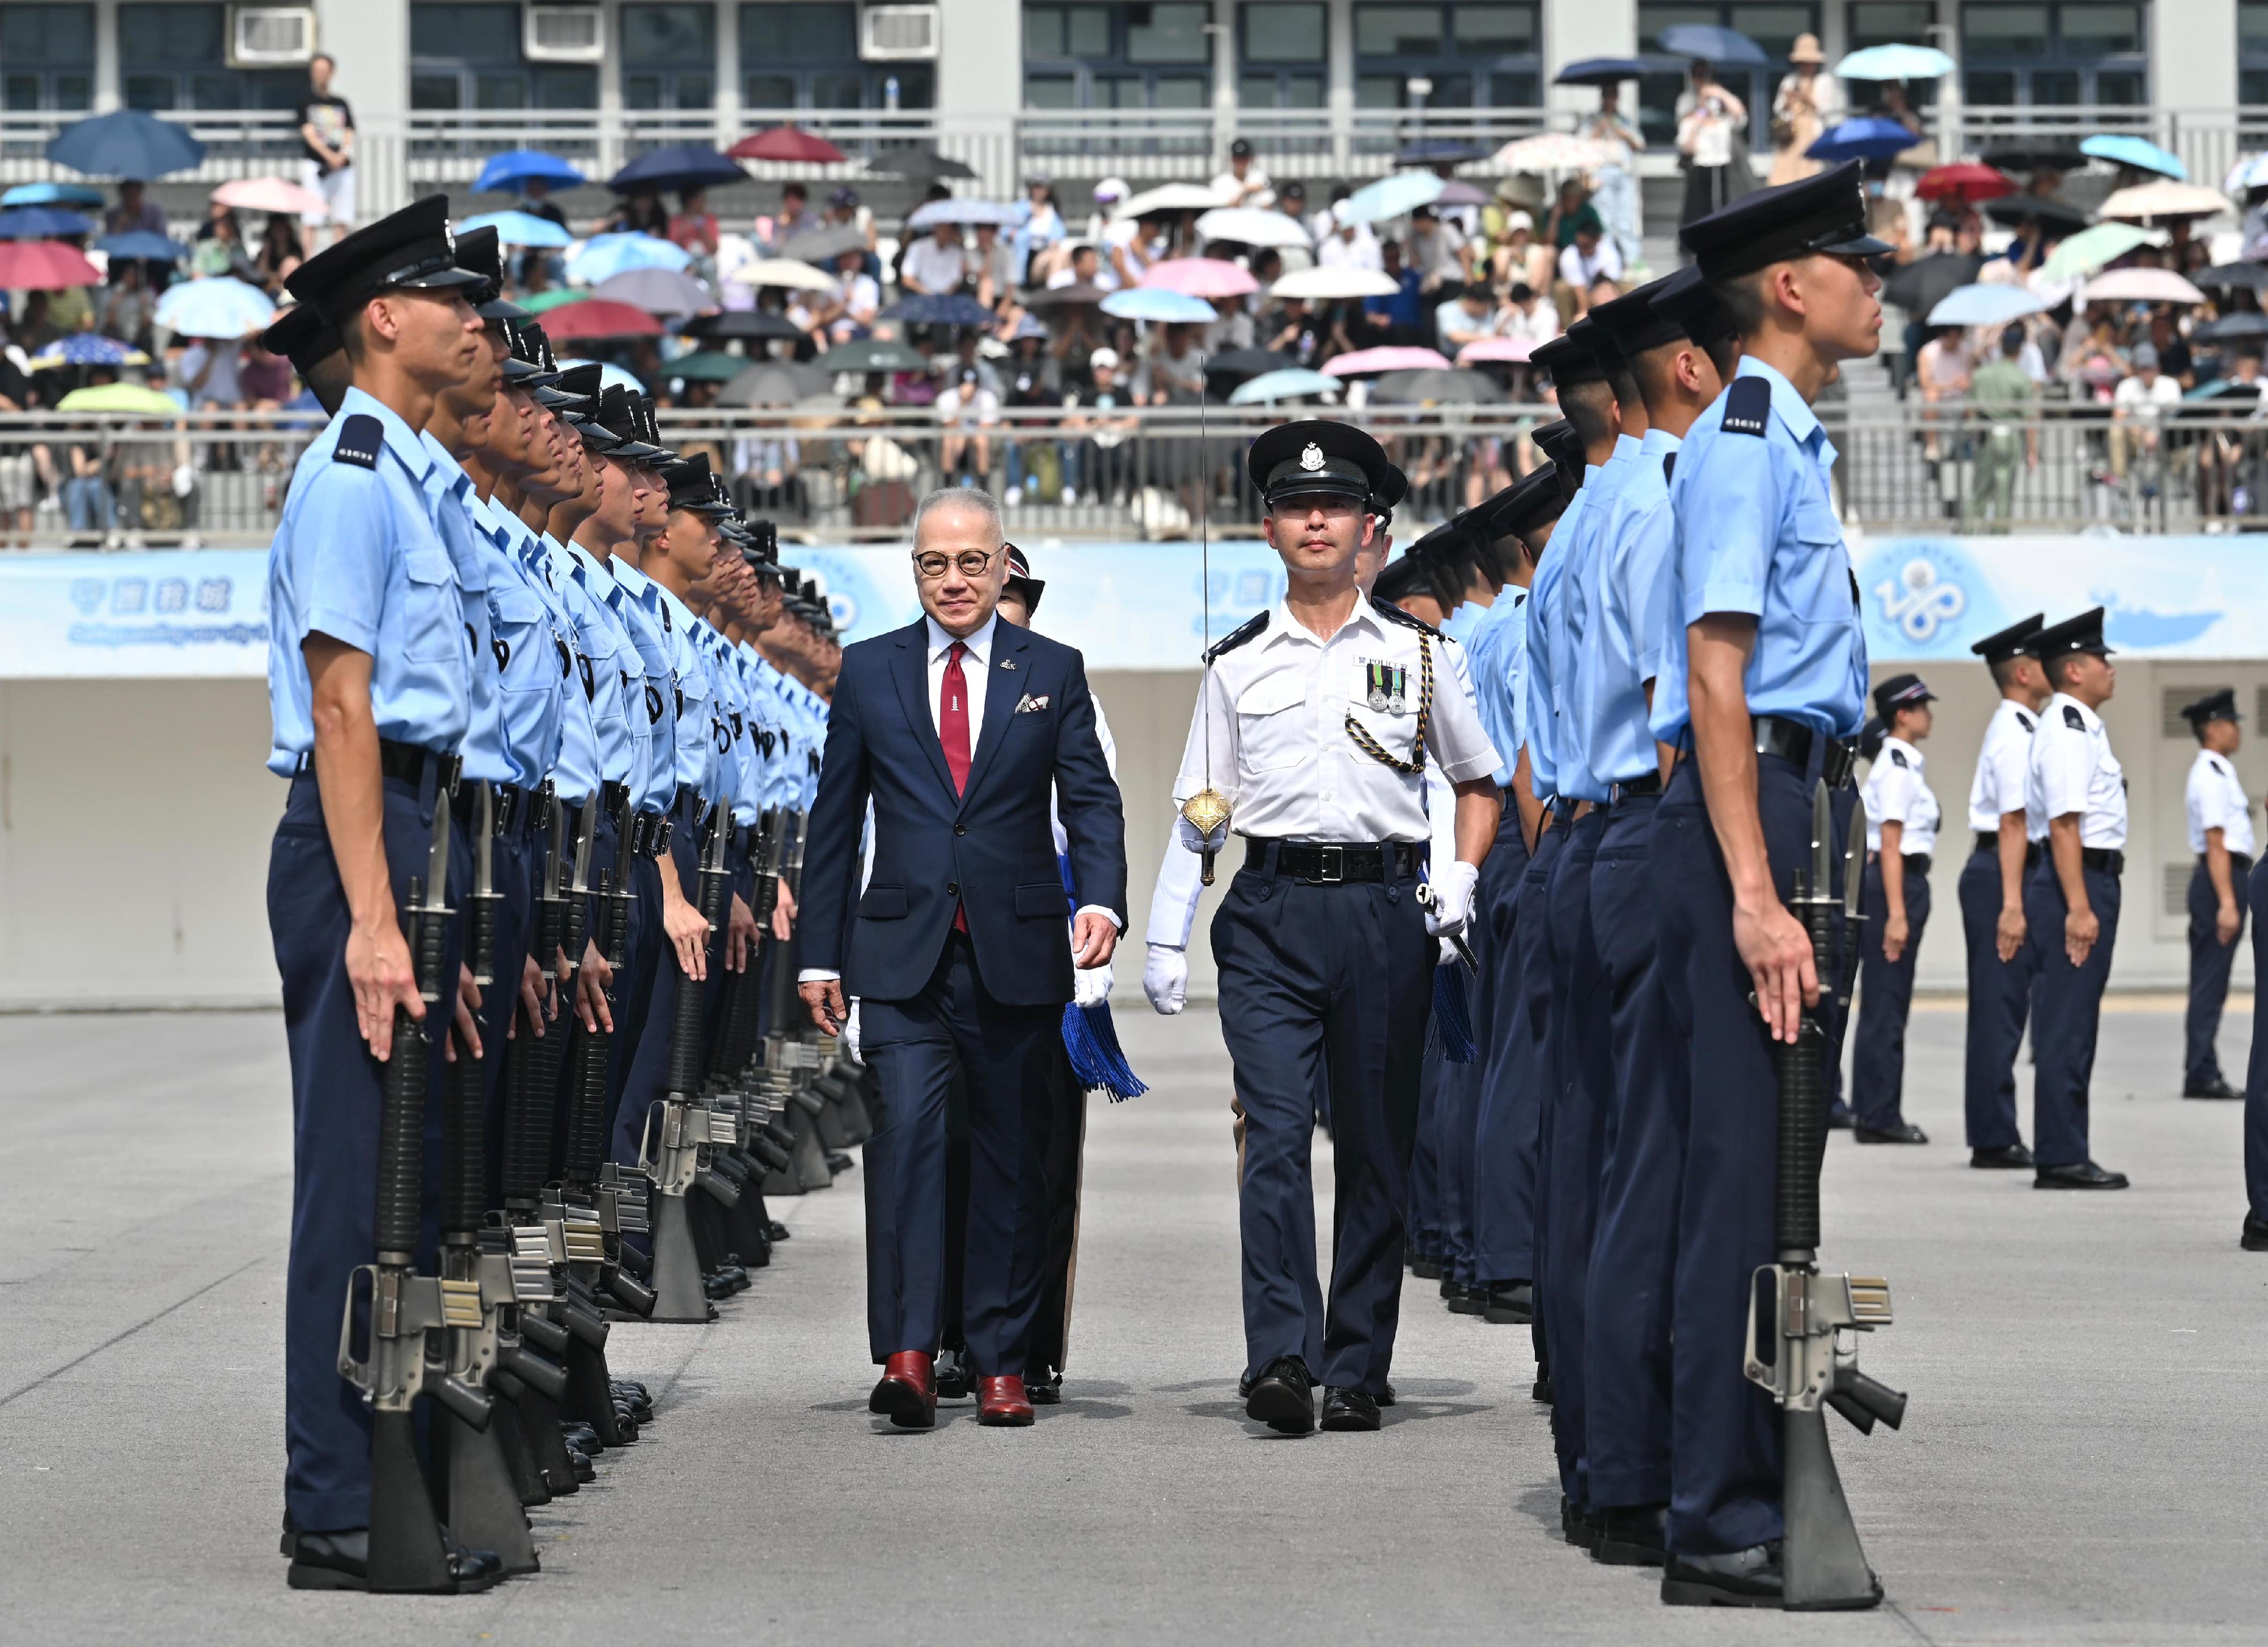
<point>1334,282</point>
<point>792,272</point>
<point>1551,151</point>
<point>1250,226</point>
<point>1169,197</point>
<point>2141,285</point>
<point>2164,199</point>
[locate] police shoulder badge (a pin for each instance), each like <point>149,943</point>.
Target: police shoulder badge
<point>1312,458</point>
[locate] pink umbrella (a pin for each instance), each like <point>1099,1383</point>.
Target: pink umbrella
<point>1364,362</point>
<point>1206,278</point>
<point>2141,285</point>
<point>271,194</point>
<point>44,265</point>
<point>1513,350</point>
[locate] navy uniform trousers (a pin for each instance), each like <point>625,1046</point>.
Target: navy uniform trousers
<point>1634,1248</point>
<point>2255,1075</point>
<point>513,860</point>
<point>646,1075</point>
<point>2211,961</point>
<point>1878,1066</point>
<point>337,1089</point>
<point>1495,906</point>
<point>1508,1133</point>
<point>1725,1432</point>
<point>1324,987</point>
<point>2068,1012</point>
<point>1425,1239</point>
<point>1574,1123</point>
<point>2000,1000</point>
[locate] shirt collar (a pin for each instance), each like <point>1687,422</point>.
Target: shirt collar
<point>1626,447</point>
<point>1914,757</point>
<point>405,442</point>
<point>2064,699</point>
<point>979,645</point>
<point>1802,422</point>
<point>1659,443</point>
<point>446,475</point>
<point>1281,622</point>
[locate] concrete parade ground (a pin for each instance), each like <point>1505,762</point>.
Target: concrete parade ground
<point>2085,1459</point>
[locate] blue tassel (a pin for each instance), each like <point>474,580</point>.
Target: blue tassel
<point>1453,1022</point>
<point>1092,1041</point>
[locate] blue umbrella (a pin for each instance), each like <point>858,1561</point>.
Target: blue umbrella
<point>1868,138</point>
<point>604,257</point>
<point>127,143</point>
<point>521,228</point>
<point>1289,384</point>
<point>1894,62</point>
<point>2121,148</point>
<point>143,246</point>
<point>1710,43</point>
<point>1985,306</point>
<point>1156,303</point>
<point>1392,196</point>
<point>1600,71</point>
<point>679,165</point>
<point>41,222</point>
<point>508,171</point>
<point>949,310</point>
<point>88,349</point>
<point>216,307</point>
<point>52,195</point>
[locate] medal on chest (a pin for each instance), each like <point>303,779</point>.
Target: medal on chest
<point>1386,687</point>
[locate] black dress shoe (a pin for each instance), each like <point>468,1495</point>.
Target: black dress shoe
<point>1284,1397</point>
<point>779,1231</point>
<point>1904,1132</point>
<point>1510,1303</point>
<point>2079,1175</point>
<point>582,1438</point>
<point>1630,1536</point>
<point>1838,1117</point>
<point>1385,1397</point>
<point>579,1461</point>
<point>1540,1390</point>
<point>1450,1287</point>
<point>1043,1388</point>
<point>1425,1268</point>
<point>1469,1301</point>
<point>2218,1087</point>
<point>341,1561</point>
<point>1575,1524</point>
<point>1244,1386</point>
<point>1349,1409</point>
<point>1745,1578</point>
<point>2008,1157</point>
<point>837,1164</point>
<point>955,1381</point>
<point>2254,1236</point>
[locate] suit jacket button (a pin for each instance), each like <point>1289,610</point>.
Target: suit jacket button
<point>952,889</point>
<point>961,828</point>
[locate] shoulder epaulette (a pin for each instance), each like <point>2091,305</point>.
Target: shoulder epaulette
<point>1237,636</point>
<point>2214,761</point>
<point>2072,718</point>
<point>1898,759</point>
<point>2023,720</point>
<point>1395,614</point>
<point>1748,406</point>
<point>361,439</point>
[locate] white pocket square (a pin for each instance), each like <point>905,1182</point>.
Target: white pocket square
<point>1029,705</point>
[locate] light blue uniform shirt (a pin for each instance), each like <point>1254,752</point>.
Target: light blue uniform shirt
<point>1756,533</point>
<point>357,557</point>
<point>1579,776</point>
<point>806,735</point>
<point>577,772</point>
<point>1538,717</point>
<point>534,665</point>
<point>1497,658</point>
<point>657,790</point>
<point>737,717</point>
<point>450,491</point>
<point>618,711</point>
<point>1459,625</point>
<point>1622,625</point>
<point>699,763</point>
<point>772,726</point>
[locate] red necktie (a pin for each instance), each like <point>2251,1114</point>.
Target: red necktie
<point>953,731</point>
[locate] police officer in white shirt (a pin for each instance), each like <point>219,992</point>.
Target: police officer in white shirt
<point>1902,817</point>
<point>1315,724</point>
<point>1993,898</point>
<point>2075,805</point>
<point>2220,834</point>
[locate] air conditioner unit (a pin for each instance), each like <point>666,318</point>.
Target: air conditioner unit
<point>263,37</point>
<point>563,33</point>
<point>892,32</point>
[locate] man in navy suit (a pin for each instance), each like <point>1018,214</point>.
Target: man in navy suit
<point>956,729</point>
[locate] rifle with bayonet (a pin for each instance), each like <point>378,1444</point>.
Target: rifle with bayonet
<point>404,1352</point>
<point>794,1051</point>
<point>1797,1347</point>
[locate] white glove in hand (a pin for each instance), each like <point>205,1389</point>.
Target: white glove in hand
<point>1090,985</point>
<point>849,1039</point>
<point>1453,898</point>
<point>1194,840</point>
<point>1166,978</point>
<point>1448,956</point>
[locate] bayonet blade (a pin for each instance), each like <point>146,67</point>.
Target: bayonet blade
<point>584,837</point>
<point>1854,866</point>
<point>437,858</point>
<point>484,834</point>
<point>1823,840</point>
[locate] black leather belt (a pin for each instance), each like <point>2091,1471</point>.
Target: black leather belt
<point>1917,862</point>
<point>1329,863</point>
<point>1562,810</point>
<point>1790,741</point>
<point>2108,859</point>
<point>1839,762</point>
<point>616,798</point>
<point>649,834</point>
<point>1649,785</point>
<point>406,762</point>
<point>1991,842</point>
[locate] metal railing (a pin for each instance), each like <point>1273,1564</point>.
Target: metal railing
<point>827,476</point>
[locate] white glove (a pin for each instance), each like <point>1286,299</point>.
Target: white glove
<point>1166,978</point>
<point>1090,985</point>
<point>1451,903</point>
<point>1195,841</point>
<point>849,1039</point>
<point>1448,956</point>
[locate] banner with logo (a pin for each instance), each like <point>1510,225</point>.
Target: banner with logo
<point>1149,606</point>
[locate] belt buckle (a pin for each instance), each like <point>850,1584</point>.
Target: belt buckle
<point>1330,865</point>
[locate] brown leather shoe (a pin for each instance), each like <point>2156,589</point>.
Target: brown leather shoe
<point>906,1394</point>
<point>1002,1400</point>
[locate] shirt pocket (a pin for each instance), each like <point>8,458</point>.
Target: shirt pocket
<point>523,641</point>
<point>1820,586</point>
<point>1270,731</point>
<point>433,618</point>
<point>1394,727</point>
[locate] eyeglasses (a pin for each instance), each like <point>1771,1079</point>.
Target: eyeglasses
<point>972,562</point>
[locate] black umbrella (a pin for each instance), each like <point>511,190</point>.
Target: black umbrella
<point>939,309</point>
<point>776,383</point>
<point>2225,276</point>
<point>754,324</point>
<point>2230,328</point>
<point>1923,283</point>
<point>822,246</point>
<point>2051,213</point>
<point>1600,71</point>
<point>1246,363</point>
<point>917,164</point>
<point>1076,295</point>
<point>678,167</point>
<point>1436,151</point>
<point>2036,154</point>
<point>1451,387</point>
<point>872,354</point>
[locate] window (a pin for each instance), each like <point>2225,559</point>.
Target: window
<point>1774,27</point>
<point>46,57</point>
<point>1473,56</point>
<point>1283,61</point>
<point>468,57</point>
<point>1157,56</point>
<point>802,55</point>
<point>2252,54</point>
<point>1891,22</point>
<point>176,56</point>
<point>669,56</point>
<point>2043,56</point>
